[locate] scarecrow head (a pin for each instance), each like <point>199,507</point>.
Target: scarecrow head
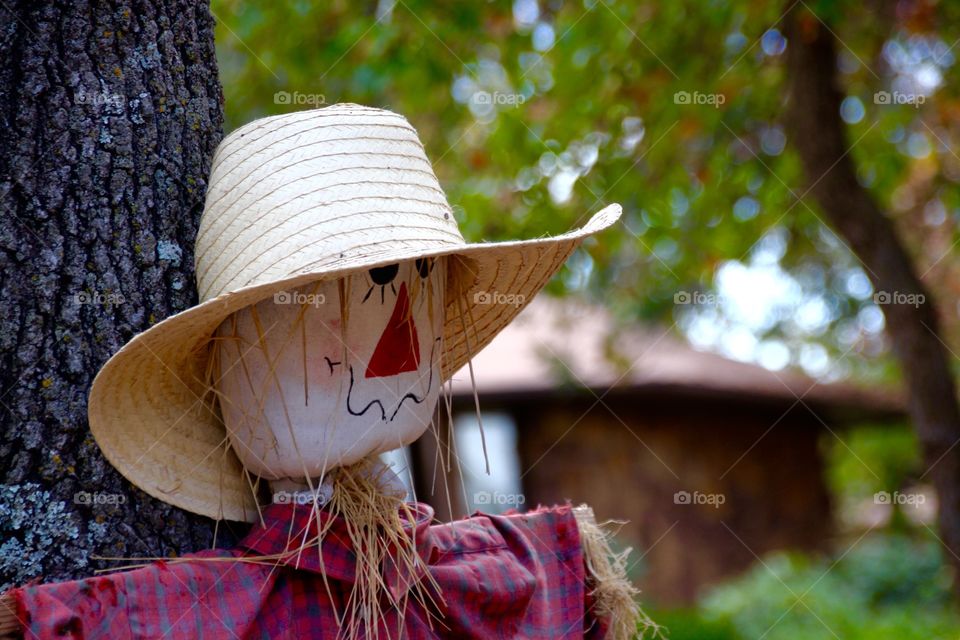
<point>333,372</point>
<point>337,295</point>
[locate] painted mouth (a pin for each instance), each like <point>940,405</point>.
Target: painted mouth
<point>412,397</point>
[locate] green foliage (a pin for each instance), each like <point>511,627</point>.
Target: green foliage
<point>584,113</point>
<point>882,586</point>
<point>689,624</point>
<point>871,459</point>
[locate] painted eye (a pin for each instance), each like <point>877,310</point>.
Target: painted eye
<point>424,266</point>
<point>384,275</point>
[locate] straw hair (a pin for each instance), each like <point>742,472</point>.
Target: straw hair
<point>614,596</point>
<point>294,199</point>
<point>380,526</point>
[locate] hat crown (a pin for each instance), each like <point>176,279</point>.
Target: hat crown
<point>318,190</point>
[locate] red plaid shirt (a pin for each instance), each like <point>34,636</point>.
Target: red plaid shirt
<point>509,576</point>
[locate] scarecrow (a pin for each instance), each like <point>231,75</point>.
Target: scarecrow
<point>337,298</point>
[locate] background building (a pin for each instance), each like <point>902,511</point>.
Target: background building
<point>711,463</point>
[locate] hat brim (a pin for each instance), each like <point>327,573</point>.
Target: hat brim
<point>147,409</point>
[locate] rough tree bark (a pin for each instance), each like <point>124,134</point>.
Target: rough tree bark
<point>819,136</point>
<point>109,115</point>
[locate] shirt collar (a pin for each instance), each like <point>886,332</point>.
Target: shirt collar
<point>286,527</point>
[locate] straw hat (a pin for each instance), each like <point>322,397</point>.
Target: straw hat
<point>293,199</point>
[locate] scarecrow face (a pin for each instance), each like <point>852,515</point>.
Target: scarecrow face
<point>333,372</point>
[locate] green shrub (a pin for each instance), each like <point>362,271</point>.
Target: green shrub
<point>690,624</point>
<point>884,586</point>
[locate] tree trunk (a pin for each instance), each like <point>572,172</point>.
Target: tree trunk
<point>818,134</point>
<point>109,116</point>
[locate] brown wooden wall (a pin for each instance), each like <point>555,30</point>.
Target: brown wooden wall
<point>630,455</point>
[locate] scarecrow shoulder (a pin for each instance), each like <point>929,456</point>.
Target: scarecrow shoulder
<point>112,604</point>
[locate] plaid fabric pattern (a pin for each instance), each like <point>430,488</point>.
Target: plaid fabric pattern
<point>501,576</point>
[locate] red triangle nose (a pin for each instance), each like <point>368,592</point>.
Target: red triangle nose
<point>398,349</point>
